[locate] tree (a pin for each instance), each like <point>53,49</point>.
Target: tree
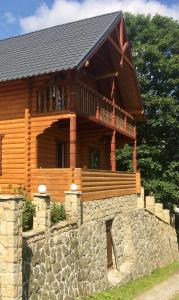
<point>155,49</point>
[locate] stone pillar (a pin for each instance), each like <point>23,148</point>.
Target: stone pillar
<point>166,215</point>
<point>42,217</point>
<point>11,247</point>
<point>140,202</point>
<point>73,206</point>
<point>159,210</point>
<point>150,204</point>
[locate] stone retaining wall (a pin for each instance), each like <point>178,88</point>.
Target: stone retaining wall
<point>70,259</point>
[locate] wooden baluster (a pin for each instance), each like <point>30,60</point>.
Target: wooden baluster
<point>113,97</point>
<point>97,109</point>
<point>135,157</point>
<point>113,151</point>
<point>37,102</point>
<point>57,94</point>
<point>73,142</point>
<point>72,97</point>
<point>50,99</point>
<point>125,123</point>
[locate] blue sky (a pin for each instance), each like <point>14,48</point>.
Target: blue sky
<point>21,16</point>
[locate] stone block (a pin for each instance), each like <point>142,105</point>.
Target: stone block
<point>140,202</point>
<point>150,204</point>
<point>159,210</point>
<point>166,215</point>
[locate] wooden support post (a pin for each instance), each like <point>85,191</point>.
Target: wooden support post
<point>113,151</point>
<point>135,157</point>
<point>73,142</point>
<point>113,97</point>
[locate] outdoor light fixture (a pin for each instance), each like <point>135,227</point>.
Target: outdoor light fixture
<point>73,187</point>
<point>42,189</point>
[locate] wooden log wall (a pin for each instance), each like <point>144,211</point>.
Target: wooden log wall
<point>56,180</point>
<point>102,184</point>
<point>12,127</point>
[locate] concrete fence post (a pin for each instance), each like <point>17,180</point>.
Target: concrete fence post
<point>73,206</point>
<point>11,247</point>
<point>42,219</point>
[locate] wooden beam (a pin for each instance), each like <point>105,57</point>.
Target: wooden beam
<point>120,52</point>
<point>109,75</point>
<point>73,141</point>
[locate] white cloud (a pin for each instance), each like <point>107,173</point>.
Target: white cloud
<point>9,18</point>
<point>63,11</point>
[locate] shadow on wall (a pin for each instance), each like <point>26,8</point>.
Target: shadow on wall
<point>26,269</point>
<point>177,226</point>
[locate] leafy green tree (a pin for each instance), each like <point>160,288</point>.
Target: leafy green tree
<point>155,49</point>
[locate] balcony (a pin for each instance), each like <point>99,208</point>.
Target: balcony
<point>86,102</point>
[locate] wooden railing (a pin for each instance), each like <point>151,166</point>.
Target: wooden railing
<point>90,102</point>
<point>94,184</point>
<point>82,99</point>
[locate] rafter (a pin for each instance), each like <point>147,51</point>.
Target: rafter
<point>120,52</point>
<point>105,76</point>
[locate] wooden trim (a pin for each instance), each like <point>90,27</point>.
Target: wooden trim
<point>135,157</point>
<point>138,183</point>
<point>107,194</point>
<point>105,76</point>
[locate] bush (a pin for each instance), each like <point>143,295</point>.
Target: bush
<point>28,210</point>
<point>28,213</point>
<point>57,213</point>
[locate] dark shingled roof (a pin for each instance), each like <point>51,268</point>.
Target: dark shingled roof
<point>54,49</point>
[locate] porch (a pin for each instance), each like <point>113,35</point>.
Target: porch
<point>77,150</point>
<point>94,184</point>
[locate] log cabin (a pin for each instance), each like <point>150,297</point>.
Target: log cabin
<point>69,98</point>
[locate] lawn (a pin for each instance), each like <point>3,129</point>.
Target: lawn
<point>136,287</point>
<point>176,297</point>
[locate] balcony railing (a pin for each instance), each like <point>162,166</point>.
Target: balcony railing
<point>94,184</point>
<point>84,100</point>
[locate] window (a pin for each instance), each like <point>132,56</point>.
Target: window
<point>94,159</point>
<point>61,154</point>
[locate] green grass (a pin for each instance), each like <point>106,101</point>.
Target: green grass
<point>176,297</point>
<point>136,287</point>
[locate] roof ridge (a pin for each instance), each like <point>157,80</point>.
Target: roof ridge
<point>59,25</point>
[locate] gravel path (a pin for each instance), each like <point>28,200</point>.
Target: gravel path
<point>163,291</point>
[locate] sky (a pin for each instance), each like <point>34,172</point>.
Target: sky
<point>23,16</point>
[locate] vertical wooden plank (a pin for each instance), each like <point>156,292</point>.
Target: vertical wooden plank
<point>27,117</point>
<point>138,183</point>
<point>73,141</point>
<point>113,151</point>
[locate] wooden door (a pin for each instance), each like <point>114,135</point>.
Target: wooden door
<point>109,244</point>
